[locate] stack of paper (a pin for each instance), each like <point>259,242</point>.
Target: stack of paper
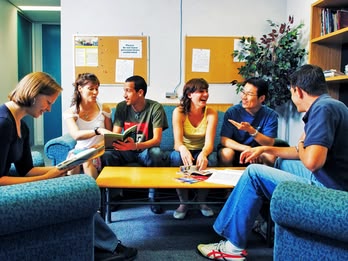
<point>226,176</point>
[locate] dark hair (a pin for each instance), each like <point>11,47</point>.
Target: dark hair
<point>260,84</point>
<point>82,80</point>
<point>139,83</point>
<point>31,85</point>
<point>190,87</point>
<point>310,78</point>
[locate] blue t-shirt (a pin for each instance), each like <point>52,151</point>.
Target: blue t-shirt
<point>265,121</point>
<point>13,149</point>
<point>326,124</point>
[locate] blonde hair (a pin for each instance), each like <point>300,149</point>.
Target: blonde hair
<point>31,85</point>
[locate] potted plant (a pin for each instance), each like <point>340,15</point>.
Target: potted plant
<point>273,58</point>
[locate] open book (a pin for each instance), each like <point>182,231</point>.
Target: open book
<point>110,138</point>
<point>193,170</point>
<point>80,157</point>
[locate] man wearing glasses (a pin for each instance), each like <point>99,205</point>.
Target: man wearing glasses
<point>248,124</point>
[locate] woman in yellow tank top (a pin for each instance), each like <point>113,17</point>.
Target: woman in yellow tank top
<point>194,127</point>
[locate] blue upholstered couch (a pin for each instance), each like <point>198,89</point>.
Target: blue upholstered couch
<point>49,220</point>
<point>57,149</point>
<point>311,223</point>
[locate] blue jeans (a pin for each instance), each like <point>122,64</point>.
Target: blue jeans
<point>152,157</point>
<point>175,158</point>
<point>257,184</point>
<point>104,237</point>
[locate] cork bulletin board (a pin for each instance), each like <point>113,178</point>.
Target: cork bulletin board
<point>211,58</point>
<point>112,58</point>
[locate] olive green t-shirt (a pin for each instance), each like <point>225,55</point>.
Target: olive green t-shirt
<point>153,116</point>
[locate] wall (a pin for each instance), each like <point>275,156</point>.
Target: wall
<point>160,20</point>
<point>8,49</point>
<point>291,125</point>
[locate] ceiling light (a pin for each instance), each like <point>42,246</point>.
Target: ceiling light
<point>39,8</point>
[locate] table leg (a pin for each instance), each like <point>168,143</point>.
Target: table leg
<point>107,206</point>
<point>102,202</point>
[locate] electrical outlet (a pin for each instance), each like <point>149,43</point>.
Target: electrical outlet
<point>171,95</point>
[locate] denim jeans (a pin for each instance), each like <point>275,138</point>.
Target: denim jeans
<point>152,157</point>
<point>104,237</point>
<point>176,161</point>
<point>257,184</point>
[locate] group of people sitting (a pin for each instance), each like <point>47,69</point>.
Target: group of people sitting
<point>247,138</point>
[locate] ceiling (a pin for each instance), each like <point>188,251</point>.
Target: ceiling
<point>39,16</point>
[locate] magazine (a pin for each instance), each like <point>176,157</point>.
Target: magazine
<point>110,138</point>
<point>80,157</point>
<point>193,170</point>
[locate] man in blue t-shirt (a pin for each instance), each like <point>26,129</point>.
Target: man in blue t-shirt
<point>248,124</point>
<point>320,159</point>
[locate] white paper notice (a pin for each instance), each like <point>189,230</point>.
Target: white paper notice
<point>124,69</point>
<point>92,56</point>
<point>130,49</point>
<point>200,60</point>
<point>227,177</point>
<point>80,57</point>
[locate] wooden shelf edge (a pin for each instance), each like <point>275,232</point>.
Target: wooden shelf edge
<point>342,33</point>
<point>340,78</point>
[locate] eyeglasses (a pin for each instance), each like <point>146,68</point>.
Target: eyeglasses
<point>249,94</point>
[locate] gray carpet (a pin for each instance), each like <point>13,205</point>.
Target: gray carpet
<point>160,237</point>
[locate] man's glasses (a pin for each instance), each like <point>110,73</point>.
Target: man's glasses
<point>249,94</point>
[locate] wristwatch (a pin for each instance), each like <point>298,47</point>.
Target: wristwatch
<point>96,131</point>
<point>254,134</point>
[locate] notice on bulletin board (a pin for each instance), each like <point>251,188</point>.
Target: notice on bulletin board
<point>200,60</point>
<point>211,58</point>
<point>112,58</point>
<point>86,51</point>
<point>130,49</point>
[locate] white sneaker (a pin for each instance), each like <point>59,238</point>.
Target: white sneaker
<point>217,251</point>
<point>207,212</point>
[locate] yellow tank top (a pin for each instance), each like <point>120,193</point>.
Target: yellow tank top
<point>194,137</point>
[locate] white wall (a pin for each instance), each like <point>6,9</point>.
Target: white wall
<point>160,20</point>
<point>291,125</point>
<point>8,49</point>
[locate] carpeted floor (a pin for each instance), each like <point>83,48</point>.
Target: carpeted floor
<point>161,237</point>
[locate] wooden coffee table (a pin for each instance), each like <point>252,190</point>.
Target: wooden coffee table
<point>145,178</point>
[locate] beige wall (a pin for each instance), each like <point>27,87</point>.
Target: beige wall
<point>8,49</point>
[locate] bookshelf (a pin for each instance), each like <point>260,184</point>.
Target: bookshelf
<point>330,50</point>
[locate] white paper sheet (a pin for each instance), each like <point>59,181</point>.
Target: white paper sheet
<point>227,177</point>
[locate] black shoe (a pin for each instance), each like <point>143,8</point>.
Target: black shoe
<point>157,209</point>
<point>121,253</point>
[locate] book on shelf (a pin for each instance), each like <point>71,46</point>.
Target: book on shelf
<point>332,73</point>
<point>110,138</point>
<point>342,18</point>
<point>79,156</point>
<point>333,20</point>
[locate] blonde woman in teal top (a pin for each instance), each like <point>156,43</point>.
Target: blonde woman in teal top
<point>194,127</point>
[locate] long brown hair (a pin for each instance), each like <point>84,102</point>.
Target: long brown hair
<point>81,80</point>
<point>190,87</point>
